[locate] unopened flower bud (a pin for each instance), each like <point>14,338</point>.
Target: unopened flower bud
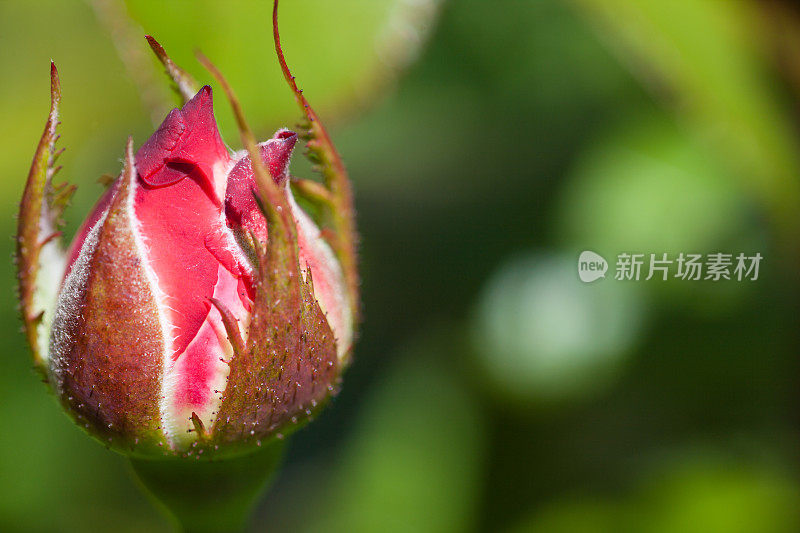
<point>192,313</point>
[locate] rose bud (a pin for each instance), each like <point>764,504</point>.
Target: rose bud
<point>199,309</point>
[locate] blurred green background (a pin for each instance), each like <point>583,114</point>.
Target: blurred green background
<point>489,144</point>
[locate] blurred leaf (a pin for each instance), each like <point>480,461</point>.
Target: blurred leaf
<point>703,54</point>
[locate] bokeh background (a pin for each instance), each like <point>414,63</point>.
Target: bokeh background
<point>489,144</point>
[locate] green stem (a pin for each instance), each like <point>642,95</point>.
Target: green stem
<point>209,495</point>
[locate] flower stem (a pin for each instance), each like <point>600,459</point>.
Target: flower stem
<point>209,495</point>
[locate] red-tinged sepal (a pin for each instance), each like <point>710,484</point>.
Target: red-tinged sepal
<point>317,258</point>
<point>110,337</point>
<point>290,365</point>
<point>39,255</point>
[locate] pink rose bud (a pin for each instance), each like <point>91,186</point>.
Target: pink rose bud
<point>183,318</point>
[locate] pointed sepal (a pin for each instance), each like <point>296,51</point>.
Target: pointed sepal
<point>289,365</point>
<point>39,256</point>
<point>109,304</point>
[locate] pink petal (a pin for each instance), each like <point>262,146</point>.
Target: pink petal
<point>177,207</point>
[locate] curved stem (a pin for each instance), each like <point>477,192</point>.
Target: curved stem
<point>209,495</point>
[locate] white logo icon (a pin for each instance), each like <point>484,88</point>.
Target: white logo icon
<point>591,266</point>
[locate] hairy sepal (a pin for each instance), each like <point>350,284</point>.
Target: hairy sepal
<point>289,366</point>
<point>108,339</point>
<point>39,256</point>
